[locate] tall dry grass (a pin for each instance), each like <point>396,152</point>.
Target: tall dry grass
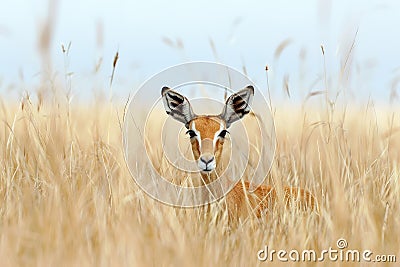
<point>67,198</point>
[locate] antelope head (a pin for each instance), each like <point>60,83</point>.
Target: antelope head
<point>207,132</point>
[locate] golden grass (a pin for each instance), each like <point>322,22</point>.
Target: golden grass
<point>67,197</point>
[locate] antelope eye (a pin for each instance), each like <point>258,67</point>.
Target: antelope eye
<point>223,133</point>
<point>191,133</point>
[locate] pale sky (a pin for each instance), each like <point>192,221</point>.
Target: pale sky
<point>246,32</point>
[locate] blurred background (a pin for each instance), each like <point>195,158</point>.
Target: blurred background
<point>349,47</point>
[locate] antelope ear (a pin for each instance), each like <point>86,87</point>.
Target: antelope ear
<point>177,106</point>
<point>237,105</point>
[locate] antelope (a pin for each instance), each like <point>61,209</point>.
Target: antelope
<point>207,135</point>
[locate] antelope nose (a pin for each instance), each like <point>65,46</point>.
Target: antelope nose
<point>207,159</point>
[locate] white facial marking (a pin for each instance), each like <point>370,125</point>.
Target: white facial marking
<point>197,133</point>
<point>221,127</point>
<point>206,168</point>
